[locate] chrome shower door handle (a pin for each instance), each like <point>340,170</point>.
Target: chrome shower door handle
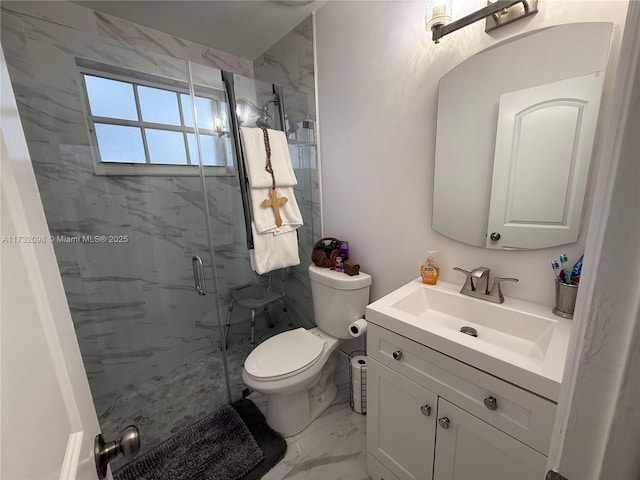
<point>198,275</point>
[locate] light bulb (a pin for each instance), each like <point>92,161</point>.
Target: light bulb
<point>437,13</point>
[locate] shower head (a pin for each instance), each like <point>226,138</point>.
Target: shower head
<point>263,121</point>
<point>263,112</point>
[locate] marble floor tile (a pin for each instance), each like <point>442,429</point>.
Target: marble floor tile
<point>340,455</point>
<point>332,447</point>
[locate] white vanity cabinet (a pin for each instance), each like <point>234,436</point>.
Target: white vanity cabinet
<point>469,448</point>
<point>400,411</point>
<point>430,416</point>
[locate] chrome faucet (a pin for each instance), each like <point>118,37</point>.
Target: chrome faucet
<point>477,284</point>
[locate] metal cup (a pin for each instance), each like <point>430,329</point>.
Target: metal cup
<point>565,299</point>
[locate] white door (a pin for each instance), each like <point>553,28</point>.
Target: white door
<point>48,419</point>
<point>471,449</point>
<point>544,144</point>
<point>400,423</point>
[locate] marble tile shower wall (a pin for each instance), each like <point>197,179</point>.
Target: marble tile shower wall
<point>133,305</point>
<point>290,63</point>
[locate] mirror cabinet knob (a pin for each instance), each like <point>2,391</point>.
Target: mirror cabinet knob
<point>491,403</point>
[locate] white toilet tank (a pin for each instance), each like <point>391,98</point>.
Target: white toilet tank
<point>338,299</point>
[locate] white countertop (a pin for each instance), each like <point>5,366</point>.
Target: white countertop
<point>526,344</point>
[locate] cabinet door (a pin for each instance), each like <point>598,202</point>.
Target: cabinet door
<point>400,423</point>
<point>543,153</point>
<point>470,449</point>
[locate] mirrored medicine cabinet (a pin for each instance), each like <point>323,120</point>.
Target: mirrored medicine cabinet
<point>515,132</point>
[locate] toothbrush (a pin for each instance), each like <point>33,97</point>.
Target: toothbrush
<point>566,276</point>
<point>556,267</point>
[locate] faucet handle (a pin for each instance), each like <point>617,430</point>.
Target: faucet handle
<point>496,291</point>
<point>481,282</point>
<point>462,270</point>
<point>468,284</point>
<point>480,272</point>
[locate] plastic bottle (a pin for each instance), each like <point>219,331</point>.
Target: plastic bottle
<point>344,250</point>
<point>429,271</point>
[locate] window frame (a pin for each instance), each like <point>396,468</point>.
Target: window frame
<point>109,72</point>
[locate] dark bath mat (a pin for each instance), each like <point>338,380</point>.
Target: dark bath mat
<point>222,446</point>
<point>270,441</point>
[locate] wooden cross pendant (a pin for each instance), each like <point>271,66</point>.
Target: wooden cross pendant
<point>274,202</point>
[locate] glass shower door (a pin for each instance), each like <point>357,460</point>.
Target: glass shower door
<point>112,138</point>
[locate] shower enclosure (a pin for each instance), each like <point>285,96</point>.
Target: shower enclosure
<point>132,149</point>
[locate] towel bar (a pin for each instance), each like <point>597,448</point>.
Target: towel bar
<point>228,80</point>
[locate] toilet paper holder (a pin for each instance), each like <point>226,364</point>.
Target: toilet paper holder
<point>358,381</point>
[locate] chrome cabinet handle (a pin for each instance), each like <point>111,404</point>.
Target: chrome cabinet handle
<point>198,275</point>
<point>397,355</point>
<point>491,403</point>
<point>127,446</point>
<point>495,236</point>
<point>426,410</point>
<point>444,422</point>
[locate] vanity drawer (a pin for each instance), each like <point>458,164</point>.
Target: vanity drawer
<point>518,412</point>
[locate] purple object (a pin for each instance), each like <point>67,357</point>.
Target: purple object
<point>344,250</point>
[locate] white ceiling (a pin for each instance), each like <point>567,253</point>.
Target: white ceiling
<point>241,27</point>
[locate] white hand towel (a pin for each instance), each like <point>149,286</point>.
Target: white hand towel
<point>271,252</point>
<point>256,158</point>
<point>264,218</point>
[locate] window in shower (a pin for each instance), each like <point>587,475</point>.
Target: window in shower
<point>145,125</point>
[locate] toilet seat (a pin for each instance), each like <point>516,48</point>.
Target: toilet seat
<point>284,355</point>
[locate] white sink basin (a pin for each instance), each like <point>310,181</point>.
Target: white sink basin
<point>519,341</point>
<point>521,333</point>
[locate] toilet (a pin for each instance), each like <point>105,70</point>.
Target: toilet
<point>295,369</point>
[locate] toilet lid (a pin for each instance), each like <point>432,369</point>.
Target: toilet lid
<point>284,354</point>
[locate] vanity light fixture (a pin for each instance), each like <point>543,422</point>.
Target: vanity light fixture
<point>498,13</point>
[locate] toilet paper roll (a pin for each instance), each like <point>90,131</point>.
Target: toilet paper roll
<point>359,397</point>
<point>358,365</point>
<point>358,327</point>
<point>359,405</point>
<point>358,368</point>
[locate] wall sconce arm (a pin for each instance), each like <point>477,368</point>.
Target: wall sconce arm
<point>498,14</point>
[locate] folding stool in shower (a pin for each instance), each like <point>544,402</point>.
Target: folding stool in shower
<point>255,296</point>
